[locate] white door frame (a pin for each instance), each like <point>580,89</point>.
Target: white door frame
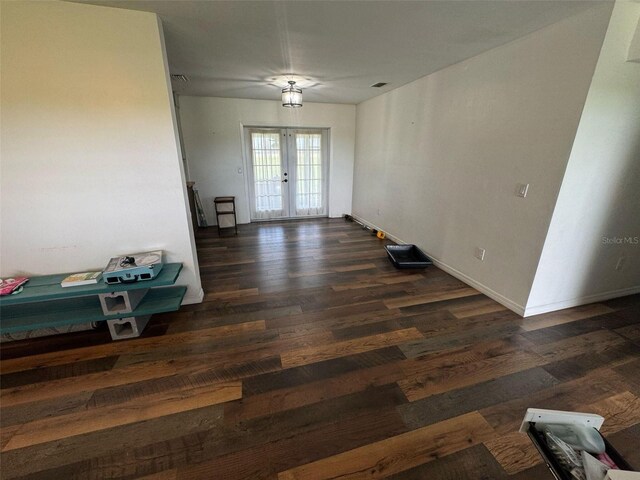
<point>287,145</point>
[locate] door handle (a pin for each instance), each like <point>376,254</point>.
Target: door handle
<point>285,180</point>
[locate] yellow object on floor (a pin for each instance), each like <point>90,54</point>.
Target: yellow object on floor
<point>381,235</point>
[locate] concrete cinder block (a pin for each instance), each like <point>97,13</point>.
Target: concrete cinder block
<point>121,302</point>
<point>127,327</point>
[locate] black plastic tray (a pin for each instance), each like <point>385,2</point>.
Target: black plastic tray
<point>407,256</point>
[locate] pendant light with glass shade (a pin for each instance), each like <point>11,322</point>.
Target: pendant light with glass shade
<point>292,96</point>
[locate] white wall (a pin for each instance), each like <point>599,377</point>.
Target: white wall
<point>90,162</point>
<point>438,160</point>
<point>212,134</point>
<point>599,201</point>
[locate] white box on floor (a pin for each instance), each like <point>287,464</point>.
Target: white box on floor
<point>622,475</point>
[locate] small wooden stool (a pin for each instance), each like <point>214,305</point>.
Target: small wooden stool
<point>225,206</point>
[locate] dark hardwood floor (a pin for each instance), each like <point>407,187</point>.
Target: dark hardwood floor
<point>313,358</point>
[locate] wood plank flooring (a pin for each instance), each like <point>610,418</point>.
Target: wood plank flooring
<point>313,358</point>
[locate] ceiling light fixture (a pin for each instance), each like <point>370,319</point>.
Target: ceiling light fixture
<point>292,96</point>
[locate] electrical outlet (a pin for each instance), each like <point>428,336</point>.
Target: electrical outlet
<point>620,263</point>
<point>522,189</point>
<point>480,253</point>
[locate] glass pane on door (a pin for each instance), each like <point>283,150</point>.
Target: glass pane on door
<point>309,175</point>
<point>266,154</point>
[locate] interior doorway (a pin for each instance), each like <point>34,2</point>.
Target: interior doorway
<point>287,172</point>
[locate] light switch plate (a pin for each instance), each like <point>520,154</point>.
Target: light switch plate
<point>522,189</point>
<point>480,253</point>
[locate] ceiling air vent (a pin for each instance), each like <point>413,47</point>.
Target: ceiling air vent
<point>179,78</point>
<point>379,84</point>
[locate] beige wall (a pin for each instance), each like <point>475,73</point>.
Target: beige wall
<point>212,132</point>
<point>633,54</point>
<point>90,162</point>
<point>438,160</point>
<point>596,221</point>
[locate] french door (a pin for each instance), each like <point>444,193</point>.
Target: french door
<point>287,172</point>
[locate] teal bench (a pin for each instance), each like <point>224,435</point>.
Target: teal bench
<point>125,307</point>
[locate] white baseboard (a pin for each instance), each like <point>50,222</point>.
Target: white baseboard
<point>390,236</point>
<point>510,304</point>
<point>192,299</point>
<point>575,302</point>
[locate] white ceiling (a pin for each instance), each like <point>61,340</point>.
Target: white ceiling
<point>236,48</point>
